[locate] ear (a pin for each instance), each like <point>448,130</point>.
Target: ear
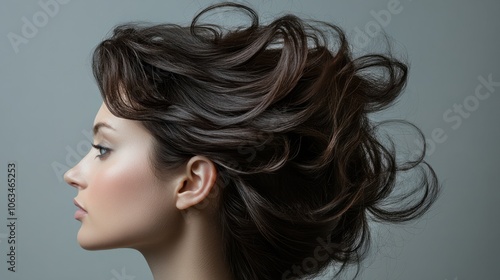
<point>198,180</point>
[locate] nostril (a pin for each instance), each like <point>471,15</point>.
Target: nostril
<point>74,184</point>
<point>70,181</point>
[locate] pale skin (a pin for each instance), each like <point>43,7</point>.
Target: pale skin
<point>129,207</point>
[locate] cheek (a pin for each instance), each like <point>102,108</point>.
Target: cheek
<point>127,203</point>
<point>125,188</point>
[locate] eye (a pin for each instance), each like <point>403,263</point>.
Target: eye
<point>103,151</point>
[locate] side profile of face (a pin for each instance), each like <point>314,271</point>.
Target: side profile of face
<point>125,205</point>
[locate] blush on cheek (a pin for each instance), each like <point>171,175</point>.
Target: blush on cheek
<point>119,202</point>
<point>127,180</point>
<point>123,183</point>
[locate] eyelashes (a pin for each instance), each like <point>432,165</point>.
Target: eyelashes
<point>103,151</point>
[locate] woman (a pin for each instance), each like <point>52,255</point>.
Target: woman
<point>243,153</point>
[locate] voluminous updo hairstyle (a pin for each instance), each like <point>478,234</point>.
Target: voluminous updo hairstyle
<point>282,109</point>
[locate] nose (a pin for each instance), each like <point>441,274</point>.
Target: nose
<point>73,177</point>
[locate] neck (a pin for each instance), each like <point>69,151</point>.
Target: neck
<point>196,254</point>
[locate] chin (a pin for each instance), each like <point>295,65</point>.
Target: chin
<point>93,242</point>
<point>92,245</point>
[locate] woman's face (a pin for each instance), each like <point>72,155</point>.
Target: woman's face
<point>126,206</point>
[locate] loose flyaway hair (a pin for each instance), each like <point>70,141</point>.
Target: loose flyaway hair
<point>282,109</point>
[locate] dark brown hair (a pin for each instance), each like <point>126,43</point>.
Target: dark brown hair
<point>284,115</point>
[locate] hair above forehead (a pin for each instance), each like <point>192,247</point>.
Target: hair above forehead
<point>282,109</point>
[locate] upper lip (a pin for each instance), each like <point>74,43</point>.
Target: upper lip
<point>78,205</point>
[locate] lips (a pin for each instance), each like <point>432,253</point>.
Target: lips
<point>78,205</point>
<point>81,212</point>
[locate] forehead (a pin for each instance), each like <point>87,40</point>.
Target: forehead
<point>103,114</point>
<point>126,127</point>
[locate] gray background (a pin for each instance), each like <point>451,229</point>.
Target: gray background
<point>48,97</point>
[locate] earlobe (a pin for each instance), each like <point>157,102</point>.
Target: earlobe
<point>199,179</point>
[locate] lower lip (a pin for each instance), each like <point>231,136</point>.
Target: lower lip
<point>79,214</point>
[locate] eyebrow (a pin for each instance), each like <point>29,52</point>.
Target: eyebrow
<point>98,126</point>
